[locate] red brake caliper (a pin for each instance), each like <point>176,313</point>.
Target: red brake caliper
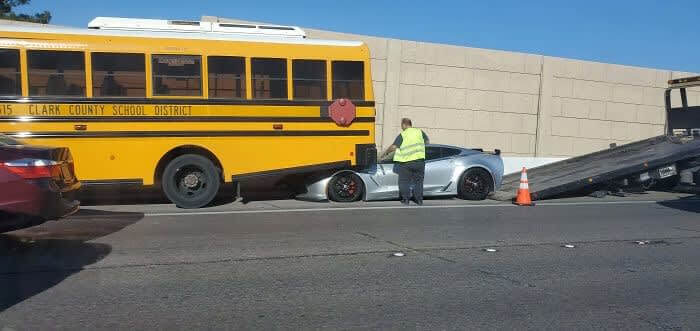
<point>352,187</point>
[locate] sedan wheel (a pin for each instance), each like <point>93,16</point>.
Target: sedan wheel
<point>345,187</point>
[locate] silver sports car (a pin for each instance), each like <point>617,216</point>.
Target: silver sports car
<point>449,171</point>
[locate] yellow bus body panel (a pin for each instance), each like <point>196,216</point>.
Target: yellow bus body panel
<point>219,128</point>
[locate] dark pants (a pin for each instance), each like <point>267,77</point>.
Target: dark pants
<point>411,174</point>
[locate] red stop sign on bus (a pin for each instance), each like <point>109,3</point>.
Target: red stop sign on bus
<point>342,111</point>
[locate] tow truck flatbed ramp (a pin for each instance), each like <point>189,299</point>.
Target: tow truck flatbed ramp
<point>681,142</point>
<point>600,167</point>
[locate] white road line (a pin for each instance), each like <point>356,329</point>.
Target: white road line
<point>301,210</point>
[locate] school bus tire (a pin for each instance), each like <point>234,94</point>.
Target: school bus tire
<point>191,181</point>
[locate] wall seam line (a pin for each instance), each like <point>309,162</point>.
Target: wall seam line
<point>539,108</point>
<point>384,107</point>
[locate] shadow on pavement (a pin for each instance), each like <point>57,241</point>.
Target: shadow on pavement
<point>689,204</point>
<point>136,196</point>
<point>11,222</point>
<point>251,196</point>
<point>35,259</point>
<point>263,189</point>
<point>120,196</point>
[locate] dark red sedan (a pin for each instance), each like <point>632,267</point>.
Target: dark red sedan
<point>36,181</point>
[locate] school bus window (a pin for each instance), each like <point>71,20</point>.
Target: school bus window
<point>348,80</point>
<point>56,73</point>
<point>226,77</point>
<point>118,75</point>
<point>178,75</point>
<point>309,79</point>
<point>269,78</point>
<point>10,79</point>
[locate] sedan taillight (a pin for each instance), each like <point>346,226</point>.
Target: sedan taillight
<point>34,168</point>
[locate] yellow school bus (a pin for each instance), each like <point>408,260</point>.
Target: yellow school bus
<point>186,105</point>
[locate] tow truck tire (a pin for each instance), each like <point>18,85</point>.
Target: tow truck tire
<point>668,184</point>
<point>475,184</point>
<point>345,187</point>
<point>191,181</point>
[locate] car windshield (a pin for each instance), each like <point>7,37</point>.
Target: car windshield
<point>5,141</point>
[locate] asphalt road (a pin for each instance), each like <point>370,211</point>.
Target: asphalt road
<point>295,265</point>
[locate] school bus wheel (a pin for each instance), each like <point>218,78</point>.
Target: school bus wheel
<point>191,181</point>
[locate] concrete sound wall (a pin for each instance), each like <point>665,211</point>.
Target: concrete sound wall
<point>524,104</point>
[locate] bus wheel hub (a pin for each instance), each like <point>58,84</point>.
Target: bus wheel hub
<point>191,180</point>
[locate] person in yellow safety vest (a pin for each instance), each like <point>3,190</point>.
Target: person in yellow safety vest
<point>410,161</point>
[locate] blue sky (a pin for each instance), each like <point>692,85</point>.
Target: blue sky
<point>648,33</point>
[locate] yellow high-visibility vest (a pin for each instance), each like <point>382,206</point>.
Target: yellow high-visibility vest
<point>412,147</point>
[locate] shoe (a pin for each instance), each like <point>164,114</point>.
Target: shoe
<point>420,203</point>
<point>404,202</point>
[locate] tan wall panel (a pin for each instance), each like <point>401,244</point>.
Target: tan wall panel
<point>523,104</point>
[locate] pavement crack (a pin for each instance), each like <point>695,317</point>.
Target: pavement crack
<point>178,263</point>
<point>684,229</point>
<point>425,251</point>
<point>652,323</point>
<point>271,205</point>
<point>558,243</point>
<point>404,247</point>
<point>367,235</point>
<point>502,277</point>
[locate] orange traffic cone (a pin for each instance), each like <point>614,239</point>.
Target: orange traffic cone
<point>523,198</point>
